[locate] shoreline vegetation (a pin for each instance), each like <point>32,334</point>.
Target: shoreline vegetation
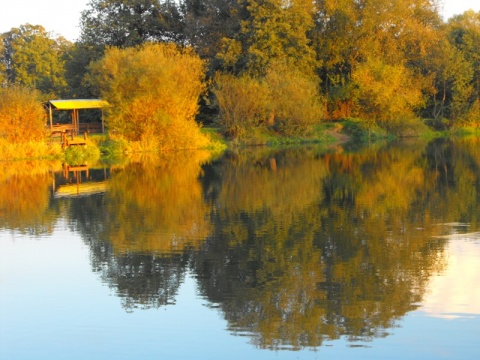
<point>216,74</point>
<point>112,149</point>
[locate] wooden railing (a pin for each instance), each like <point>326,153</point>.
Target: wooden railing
<point>83,127</point>
<point>59,129</point>
<point>91,127</point>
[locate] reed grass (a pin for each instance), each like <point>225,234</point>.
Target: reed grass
<point>29,150</point>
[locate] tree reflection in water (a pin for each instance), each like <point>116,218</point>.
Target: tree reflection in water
<point>25,196</point>
<point>300,259</point>
<point>294,246</point>
<point>144,228</point>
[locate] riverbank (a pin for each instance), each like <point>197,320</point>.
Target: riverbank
<point>329,134</point>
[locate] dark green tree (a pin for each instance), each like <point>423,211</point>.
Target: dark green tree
<point>3,75</point>
<point>464,34</point>
<point>31,57</point>
<point>449,97</point>
<point>207,22</point>
<point>271,30</point>
<point>130,22</point>
<point>78,59</point>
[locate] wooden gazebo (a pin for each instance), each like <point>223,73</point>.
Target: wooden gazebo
<point>73,105</point>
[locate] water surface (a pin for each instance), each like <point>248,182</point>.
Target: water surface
<point>291,253</point>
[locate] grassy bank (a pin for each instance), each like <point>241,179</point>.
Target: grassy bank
<point>29,150</point>
<point>326,133</point>
<point>111,149</point>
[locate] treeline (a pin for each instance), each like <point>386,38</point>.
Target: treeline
<point>274,65</point>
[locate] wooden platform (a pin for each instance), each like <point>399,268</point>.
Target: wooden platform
<point>81,189</point>
<point>75,142</point>
<point>66,142</point>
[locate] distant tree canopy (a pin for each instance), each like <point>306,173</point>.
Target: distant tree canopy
<point>271,30</point>
<point>381,61</point>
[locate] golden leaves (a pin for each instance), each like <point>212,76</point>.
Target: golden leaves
<point>22,117</point>
<point>154,91</point>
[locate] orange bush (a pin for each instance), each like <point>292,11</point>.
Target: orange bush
<point>22,117</point>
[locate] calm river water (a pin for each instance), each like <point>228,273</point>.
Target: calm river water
<point>260,254</point>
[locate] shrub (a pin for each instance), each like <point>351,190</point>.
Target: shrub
<point>472,117</point>
<point>406,127</point>
<point>294,99</point>
<point>154,91</point>
<point>29,150</point>
<point>285,100</point>
<point>243,103</point>
<point>363,131</point>
<point>22,117</point>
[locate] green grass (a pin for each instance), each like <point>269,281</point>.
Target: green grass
<point>361,131</point>
<point>269,137</point>
<point>218,143</point>
<point>466,131</point>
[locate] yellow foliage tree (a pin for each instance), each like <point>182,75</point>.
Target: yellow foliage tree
<point>154,91</point>
<point>386,92</point>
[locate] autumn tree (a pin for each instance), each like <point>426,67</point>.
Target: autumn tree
<point>272,56</point>
<point>295,102</point>
<point>124,23</point>
<point>335,40</point>
<point>374,39</point>
<point>154,91</point>
<point>386,92</point>
<point>285,101</point>
<point>243,104</point>
<point>31,57</point>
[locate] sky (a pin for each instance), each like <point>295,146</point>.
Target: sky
<point>454,293</point>
<point>61,17</point>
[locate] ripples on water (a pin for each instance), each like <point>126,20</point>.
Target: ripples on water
<point>347,253</point>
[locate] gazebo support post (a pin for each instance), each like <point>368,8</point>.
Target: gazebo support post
<point>51,116</point>
<point>103,123</point>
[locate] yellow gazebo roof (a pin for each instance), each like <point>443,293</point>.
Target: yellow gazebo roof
<point>74,104</point>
